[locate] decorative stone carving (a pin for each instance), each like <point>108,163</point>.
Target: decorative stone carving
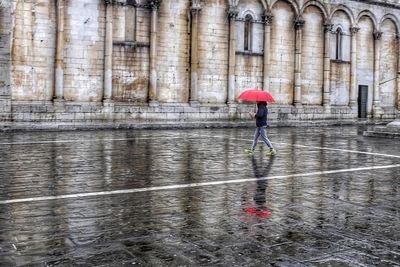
<point>195,9</point>
<point>232,12</point>
<point>298,23</point>
<point>195,6</point>
<point>328,27</point>
<point>154,4</point>
<point>267,17</point>
<point>354,30</point>
<point>377,35</point>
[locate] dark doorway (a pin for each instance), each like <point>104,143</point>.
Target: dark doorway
<point>362,101</point>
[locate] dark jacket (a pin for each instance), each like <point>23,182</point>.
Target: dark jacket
<point>261,115</point>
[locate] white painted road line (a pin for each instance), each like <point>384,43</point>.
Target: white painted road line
<point>324,148</point>
<point>179,186</point>
<point>94,140</point>
<point>345,150</point>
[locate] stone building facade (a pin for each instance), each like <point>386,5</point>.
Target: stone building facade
<point>181,60</point>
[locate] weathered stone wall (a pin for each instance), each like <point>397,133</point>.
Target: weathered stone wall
<point>254,9</point>
<point>5,56</point>
<point>341,20</point>
<point>340,65</point>
<point>173,57</point>
<point>312,56</point>
<point>33,50</point>
<point>340,80</point>
<point>131,35</point>
<point>365,57</point>
<point>84,50</point>
<point>249,69</point>
<point>213,52</point>
<point>388,64</point>
<point>249,63</point>
<point>130,73</point>
<point>282,53</point>
<point>151,56</point>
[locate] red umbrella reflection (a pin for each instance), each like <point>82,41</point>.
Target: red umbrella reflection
<point>259,212</point>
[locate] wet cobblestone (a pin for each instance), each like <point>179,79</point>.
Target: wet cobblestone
<point>318,202</point>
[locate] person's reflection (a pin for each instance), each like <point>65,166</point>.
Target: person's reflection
<point>260,171</point>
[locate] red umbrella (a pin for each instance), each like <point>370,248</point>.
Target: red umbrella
<point>256,95</point>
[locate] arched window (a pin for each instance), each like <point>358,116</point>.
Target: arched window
<point>339,42</point>
<point>248,25</point>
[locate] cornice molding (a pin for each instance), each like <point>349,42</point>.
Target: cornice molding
<point>378,3</point>
<point>150,4</point>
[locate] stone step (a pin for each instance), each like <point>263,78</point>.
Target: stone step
<point>394,124</point>
<point>382,134</point>
<point>384,129</point>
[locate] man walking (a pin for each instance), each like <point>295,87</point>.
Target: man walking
<point>261,123</point>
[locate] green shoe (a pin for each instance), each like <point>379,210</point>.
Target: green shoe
<point>249,151</point>
<point>271,152</point>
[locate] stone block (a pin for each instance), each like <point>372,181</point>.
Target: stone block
<point>394,124</point>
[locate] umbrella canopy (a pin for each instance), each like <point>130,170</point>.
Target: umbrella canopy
<point>256,95</point>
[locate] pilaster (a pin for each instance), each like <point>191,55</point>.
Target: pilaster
<point>298,24</point>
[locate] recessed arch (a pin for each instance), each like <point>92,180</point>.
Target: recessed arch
<point>318,4</point>
<point>365,55</point>
<point>263,2</point>
<point>292,3</point>
<point>338,27</point>
<point>370,15</point>
<point>346,10</point>
<point>282,60</point>
<point>388,64</point>
<point>312,60</point>
<point>246,12</point>
<point>392,18</point>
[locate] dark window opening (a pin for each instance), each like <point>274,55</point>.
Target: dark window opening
<point>248,21</point>
<point>339,40</point>
<point>131,2</point>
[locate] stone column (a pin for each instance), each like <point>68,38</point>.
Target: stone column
<point>194,94</point>
<point>154,5</point>
<point>59,71</point>
<point>376,106</point>
<point>398,72</point>
<point>5,58</point>
<point>232,14</point>
<point>107,94</point>
<point>326,95</point>
<point>298,24</point>
<point>353,73</point>
<point>267,48</point>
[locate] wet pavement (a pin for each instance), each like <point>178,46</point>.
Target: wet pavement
<point>330,197</point>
